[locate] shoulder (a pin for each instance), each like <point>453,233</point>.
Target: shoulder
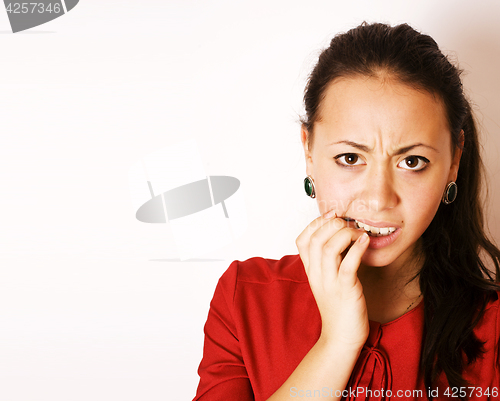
<point>492,309</point>
<point>488,331</point>
<point>262,271</point>
<point>489,324</point>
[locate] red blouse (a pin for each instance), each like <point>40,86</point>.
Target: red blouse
<point>263,320</point>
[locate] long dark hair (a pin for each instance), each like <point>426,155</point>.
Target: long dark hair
<point>454,280</point>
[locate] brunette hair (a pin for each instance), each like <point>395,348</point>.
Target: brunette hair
<point>454,280</point>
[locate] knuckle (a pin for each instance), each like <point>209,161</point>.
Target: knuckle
<point>345,271</point>
<point>330,247</point>
<point>315,239</point>
<point>343,235</point>
<point>299,241</point>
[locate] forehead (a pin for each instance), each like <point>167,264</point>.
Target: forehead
<point>374,110</point>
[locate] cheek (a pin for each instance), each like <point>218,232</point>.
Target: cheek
<point>424,200</point>
<point>334,192</point>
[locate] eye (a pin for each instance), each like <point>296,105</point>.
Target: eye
<point>349,159</point>
<point>415,163</point>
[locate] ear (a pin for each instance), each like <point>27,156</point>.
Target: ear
<point>455,163</point>
<point>304,135</point>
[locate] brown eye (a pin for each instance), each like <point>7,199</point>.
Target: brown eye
<point>411,161</point>
<point>415,163</point>
<point>349,159</point>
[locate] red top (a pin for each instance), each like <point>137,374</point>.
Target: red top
<point>263,320</point>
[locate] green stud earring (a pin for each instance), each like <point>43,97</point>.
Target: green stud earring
<point>309,187</point>
<point>450,193</point>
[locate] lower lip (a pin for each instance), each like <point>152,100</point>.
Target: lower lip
<point>382,242</point>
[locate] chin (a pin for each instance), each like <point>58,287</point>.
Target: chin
<point>377,258</point>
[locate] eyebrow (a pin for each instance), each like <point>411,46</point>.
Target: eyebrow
<point>399,151</point>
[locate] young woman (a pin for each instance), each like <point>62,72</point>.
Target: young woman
<point>391,295</point>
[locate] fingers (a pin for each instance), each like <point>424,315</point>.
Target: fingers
<point>312,241</point>
<point>349,266</point>
<point>304,238</point>
<point>323,236</point>
<point>334,249</point>
<point>331,250</point>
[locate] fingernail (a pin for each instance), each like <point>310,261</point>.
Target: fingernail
<point>329,214</point>
<point>363,238</point>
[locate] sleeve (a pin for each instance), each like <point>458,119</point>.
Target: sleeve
<point>222,371</point>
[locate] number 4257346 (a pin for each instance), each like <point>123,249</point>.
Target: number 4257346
<point>31,8</point>
<point>471,392</point>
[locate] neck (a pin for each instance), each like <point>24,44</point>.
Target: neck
<point>390,290</point>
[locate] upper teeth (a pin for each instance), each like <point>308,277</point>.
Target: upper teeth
<point>379,231</point>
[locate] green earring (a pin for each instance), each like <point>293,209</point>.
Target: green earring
<point>309,187</point>
<point>450,193</point>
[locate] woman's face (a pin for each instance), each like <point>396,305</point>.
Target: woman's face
<point>382,155</point>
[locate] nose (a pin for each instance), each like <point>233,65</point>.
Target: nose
<point>379,192</point>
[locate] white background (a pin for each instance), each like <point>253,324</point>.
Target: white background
<point>95,305</point>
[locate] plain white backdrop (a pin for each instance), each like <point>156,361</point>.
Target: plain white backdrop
<point>95,305</point>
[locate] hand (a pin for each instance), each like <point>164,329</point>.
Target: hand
<point>331,269</point>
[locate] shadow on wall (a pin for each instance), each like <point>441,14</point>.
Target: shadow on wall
<point>475,39</point>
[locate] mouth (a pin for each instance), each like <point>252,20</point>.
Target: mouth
<point>372,231</point>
